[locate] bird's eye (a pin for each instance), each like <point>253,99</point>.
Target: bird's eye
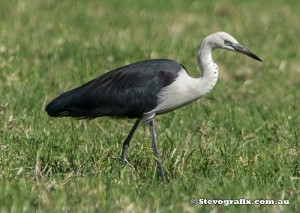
<point>227,42</point>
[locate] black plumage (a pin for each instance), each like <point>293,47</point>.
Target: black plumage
<point>128,91</point>
<point>144,89</point>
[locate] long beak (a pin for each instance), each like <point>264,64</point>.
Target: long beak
<point>241,49</point>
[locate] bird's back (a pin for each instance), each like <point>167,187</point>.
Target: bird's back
<point>128,91</point>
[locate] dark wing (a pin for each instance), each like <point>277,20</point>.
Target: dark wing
<point>128,91</point>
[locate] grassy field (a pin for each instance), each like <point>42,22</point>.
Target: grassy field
<point>240,141</point>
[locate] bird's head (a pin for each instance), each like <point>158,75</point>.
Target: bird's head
<point>225,41</point>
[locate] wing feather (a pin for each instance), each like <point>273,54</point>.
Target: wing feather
<point>128,91</point>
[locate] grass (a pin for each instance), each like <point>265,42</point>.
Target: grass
<point>240,141</point>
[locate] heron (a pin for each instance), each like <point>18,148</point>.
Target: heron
<point>145,89</point>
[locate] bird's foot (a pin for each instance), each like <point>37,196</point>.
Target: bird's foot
<point>160,168</point>
<point>124,153</point>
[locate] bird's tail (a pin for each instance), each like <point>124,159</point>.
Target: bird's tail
<point>66,105</point>
<point>57,107</point>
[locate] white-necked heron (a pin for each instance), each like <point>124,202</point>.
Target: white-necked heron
<point>145,89</point>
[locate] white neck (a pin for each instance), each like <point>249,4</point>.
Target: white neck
<point>209,69</point>
<point>186,89</point>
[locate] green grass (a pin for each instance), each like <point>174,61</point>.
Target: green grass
<point>240,141</point>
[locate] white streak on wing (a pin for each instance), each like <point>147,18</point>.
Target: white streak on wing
<point>182,91</point>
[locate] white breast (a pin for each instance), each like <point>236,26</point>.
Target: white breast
<point>182,91</point>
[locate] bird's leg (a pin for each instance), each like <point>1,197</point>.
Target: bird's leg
<point>156,153</point>
<point>127,140</point>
